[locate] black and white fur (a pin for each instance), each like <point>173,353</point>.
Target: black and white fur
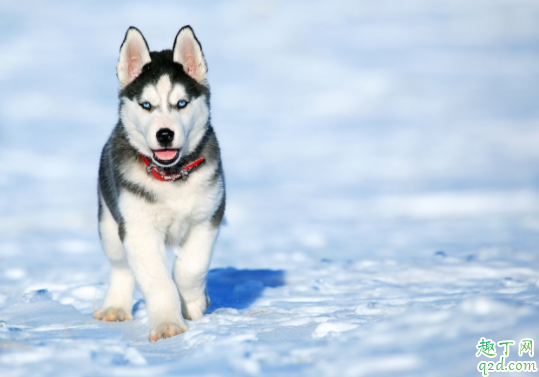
<point>139,216</point>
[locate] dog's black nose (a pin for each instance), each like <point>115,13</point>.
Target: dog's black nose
<point>164,136</point>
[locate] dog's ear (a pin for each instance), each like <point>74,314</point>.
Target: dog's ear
<point>134,54</point>
<point>188,52</point>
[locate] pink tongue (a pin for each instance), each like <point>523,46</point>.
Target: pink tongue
<point>166,155</point>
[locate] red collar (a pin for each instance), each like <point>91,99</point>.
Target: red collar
<point>165,176</point>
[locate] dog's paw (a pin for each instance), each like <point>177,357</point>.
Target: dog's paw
<point>195,309</point>
<point>167,330</point>
<point>111,314</point>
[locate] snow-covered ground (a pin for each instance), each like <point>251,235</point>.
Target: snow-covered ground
<point>382,165</point>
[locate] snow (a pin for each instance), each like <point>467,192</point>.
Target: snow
<point>381,167</point>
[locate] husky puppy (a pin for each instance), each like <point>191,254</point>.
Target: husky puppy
<point>160,184</point>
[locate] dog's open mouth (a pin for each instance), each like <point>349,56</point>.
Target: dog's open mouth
<point>166,156</point>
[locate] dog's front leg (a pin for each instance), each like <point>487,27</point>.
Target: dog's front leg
<point>191,268</point>
<point>146,251</point>
<point>119,299</point>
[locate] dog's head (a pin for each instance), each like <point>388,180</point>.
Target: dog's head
<point>164,96</point>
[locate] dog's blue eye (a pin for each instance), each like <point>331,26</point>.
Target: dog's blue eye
<point>182,104</point>
<point>146,105</point>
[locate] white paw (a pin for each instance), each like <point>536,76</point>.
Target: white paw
<point>167,330</point>
<point>111,314</point>
<point>195,309</point>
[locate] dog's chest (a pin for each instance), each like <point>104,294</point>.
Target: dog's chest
<point>178,205</point>
<point>181,206</point>
<point>186,200</point>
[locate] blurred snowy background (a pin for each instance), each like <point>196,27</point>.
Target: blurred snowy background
<point>382,166</point>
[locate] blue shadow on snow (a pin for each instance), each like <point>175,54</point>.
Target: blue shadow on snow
<point>237,289</point>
